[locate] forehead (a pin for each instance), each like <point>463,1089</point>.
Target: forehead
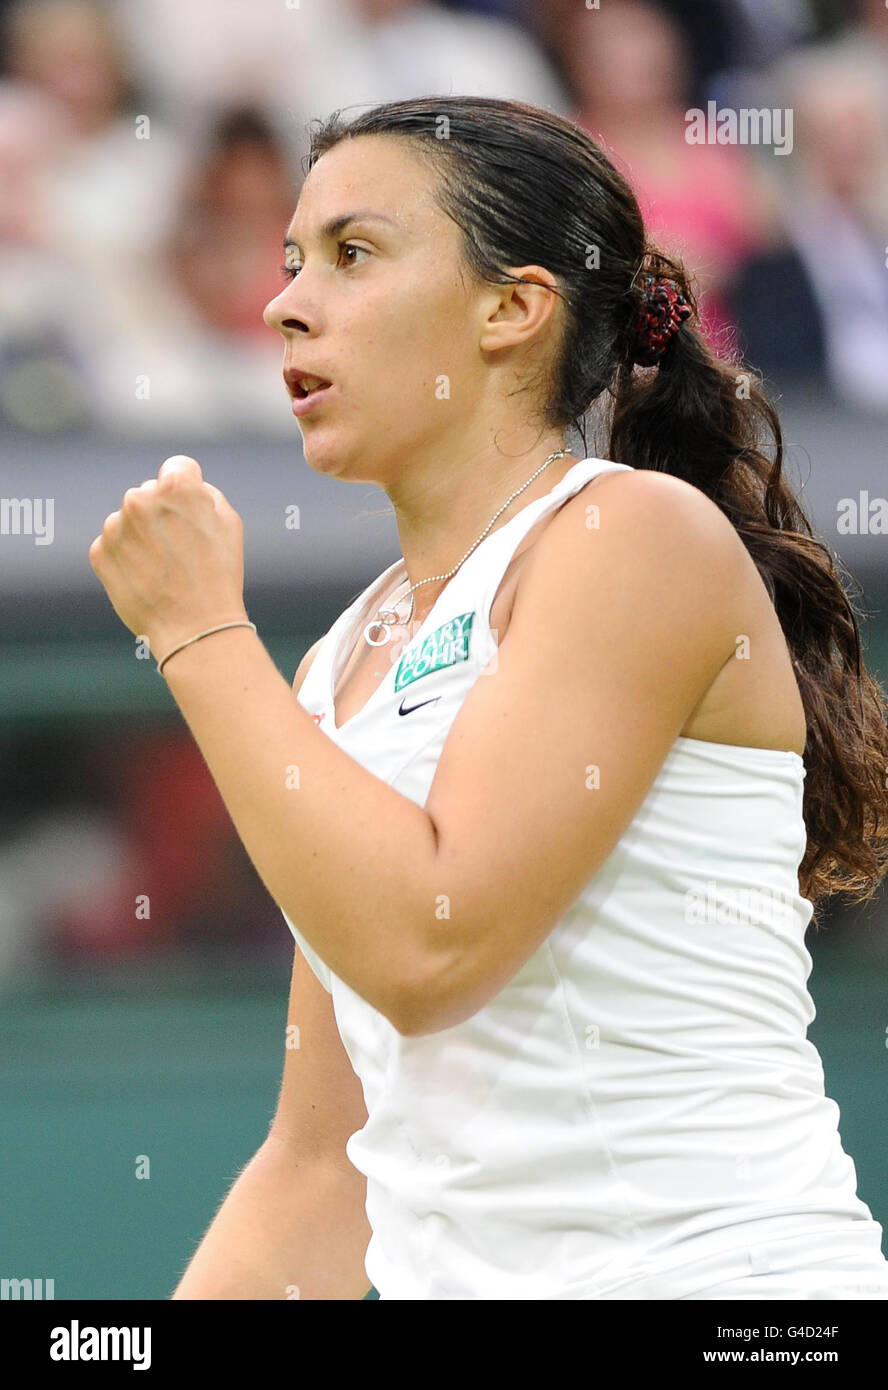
<point>371,171</point>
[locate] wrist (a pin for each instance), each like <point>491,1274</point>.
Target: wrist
<point>169,645</point>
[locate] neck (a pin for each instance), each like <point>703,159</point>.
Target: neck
<point>442,510</point>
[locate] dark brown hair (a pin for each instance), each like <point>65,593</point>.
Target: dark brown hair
<point>529,187</point>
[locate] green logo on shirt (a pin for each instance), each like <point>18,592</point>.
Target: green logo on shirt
<point>444,647</point>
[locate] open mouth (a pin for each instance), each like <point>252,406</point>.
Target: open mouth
<point>301,392</point>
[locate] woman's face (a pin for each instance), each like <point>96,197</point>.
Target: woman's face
<point>379,308</point>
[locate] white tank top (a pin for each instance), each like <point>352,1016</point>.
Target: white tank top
<point>638,1113</point>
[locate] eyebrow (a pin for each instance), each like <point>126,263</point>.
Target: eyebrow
<point>335,225</point>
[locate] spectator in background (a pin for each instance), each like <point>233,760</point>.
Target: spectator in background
<point>32,129</point>
<point>629,68</point>
<point>729,35</point>
<point>418,48</point>
<point>89,203</point>
<point>121,845</point>
<point>225,251</point>
<point>817,301</point>
<point>205,57</point>
<point>865,39</point>
<point>45,306</point>
<point>191,349</point>
<point>515,10</point>
<point>301,63</point>
<point>720,36</point>
<point>111,191</point>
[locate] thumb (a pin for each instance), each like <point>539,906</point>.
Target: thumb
<point>181,463</point>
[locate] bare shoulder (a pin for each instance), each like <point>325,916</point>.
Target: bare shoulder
<point>631,536</point>
<point>660,501</point>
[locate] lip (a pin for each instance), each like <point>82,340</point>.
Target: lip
<point>301,405</point>
<point>293,372</point>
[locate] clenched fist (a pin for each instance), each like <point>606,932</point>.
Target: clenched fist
<point>171,559</point>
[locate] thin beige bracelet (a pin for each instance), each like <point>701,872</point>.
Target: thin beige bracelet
<point>197,637</point>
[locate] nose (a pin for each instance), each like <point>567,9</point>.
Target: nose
<point>278,312</point>
<point>275,311</point>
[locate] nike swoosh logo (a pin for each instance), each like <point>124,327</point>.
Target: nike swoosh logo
<point>411,708</point>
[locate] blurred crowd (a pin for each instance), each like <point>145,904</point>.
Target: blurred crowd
<point>151,156</point>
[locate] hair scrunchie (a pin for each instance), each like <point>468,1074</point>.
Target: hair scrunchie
<point>663,311</point>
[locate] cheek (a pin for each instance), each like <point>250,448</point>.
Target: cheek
<point>435,342</point>
<point>389,352</point>
<point>446,358</point>
<point>404,350</point>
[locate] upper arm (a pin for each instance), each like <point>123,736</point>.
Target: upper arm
<point>321,1102</point>
<point>617,631</point>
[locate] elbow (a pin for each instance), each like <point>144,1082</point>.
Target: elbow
<point>419,1024</point>
<point>414,1016</point>
<point>421,1005</point>
<point>409,1027</point>
<point>444,985</point>
<point>441,999</point>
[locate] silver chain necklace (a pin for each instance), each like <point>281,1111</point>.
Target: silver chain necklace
<point>387,617</point>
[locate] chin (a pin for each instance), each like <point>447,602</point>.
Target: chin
<point>334,462</point>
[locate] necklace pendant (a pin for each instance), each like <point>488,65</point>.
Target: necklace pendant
<point>372,628</point>
<point>383,618</point>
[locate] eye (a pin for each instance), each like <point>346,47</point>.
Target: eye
<point>290,272</point>
<point>350,246</point>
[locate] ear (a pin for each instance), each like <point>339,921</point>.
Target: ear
<point>522,311</point>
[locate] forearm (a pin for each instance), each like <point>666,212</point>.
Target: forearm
<point>285,1230</point>
<point>349,859</point>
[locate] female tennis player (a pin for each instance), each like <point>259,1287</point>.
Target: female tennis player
<point>560,790</point>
